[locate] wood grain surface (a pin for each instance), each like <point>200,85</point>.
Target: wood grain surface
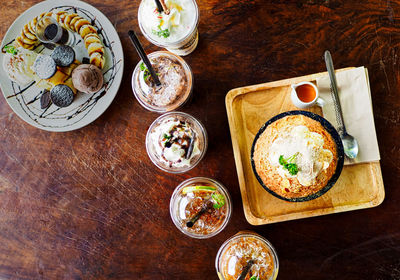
<point>89,204</point>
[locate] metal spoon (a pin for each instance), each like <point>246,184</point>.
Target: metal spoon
<point>350,144</point>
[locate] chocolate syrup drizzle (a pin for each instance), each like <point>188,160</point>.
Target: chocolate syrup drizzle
<point>78,112</point>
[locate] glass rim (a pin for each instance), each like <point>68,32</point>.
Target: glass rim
<point>220,187</point>
<point>193,119</point>
<point>248,234</point>
<point>157,109</point>
<point>192,31</point>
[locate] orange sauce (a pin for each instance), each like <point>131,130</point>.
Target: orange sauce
<point>305,93</point>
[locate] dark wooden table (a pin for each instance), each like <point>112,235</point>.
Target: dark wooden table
<point>89,204</point>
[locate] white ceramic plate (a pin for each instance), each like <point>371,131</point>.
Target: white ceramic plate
<point>85,107</point>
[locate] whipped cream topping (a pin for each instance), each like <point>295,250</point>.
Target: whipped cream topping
<point>310,156</point>
<point>168,28</point>
<point>171,140</point>
<point>19,67</point>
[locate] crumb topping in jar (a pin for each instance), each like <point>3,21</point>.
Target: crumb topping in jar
<point>242,250</point>
<point>174,82</point>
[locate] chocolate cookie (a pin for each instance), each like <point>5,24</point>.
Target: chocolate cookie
<point>62,95</point>
<point>63,55</point>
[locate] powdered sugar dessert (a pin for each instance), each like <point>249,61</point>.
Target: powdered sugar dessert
<point>176,82</point>
<point>176,142</point>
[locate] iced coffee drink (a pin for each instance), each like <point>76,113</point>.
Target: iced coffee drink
<point>173,28</point>
<point>200,207</point>
<point>176,80</point>
<point>247,255</point>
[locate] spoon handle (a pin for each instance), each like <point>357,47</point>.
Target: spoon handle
<point>335,93</point>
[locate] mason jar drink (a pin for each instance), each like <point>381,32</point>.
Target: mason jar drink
<point>200,207</point>
<point>176,142</point>
<point>176,80</point>
<point>174,29</point>
<point>247,255</point>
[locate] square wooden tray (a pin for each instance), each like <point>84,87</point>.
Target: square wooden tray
<point>248,108</point>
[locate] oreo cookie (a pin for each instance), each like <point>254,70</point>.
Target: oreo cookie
<point>44,66</point>
<point>61,95</point>
<point>63,55</point>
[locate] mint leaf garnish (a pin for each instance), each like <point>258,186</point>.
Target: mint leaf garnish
<point>11,50</point>
<point>146,73</point>
<point>289,164</point>
<point>161,33</point>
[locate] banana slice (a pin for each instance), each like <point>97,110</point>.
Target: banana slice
<point>21,43</point>
<point>26,40</point>
<point>95,47</point>
<point>67,21</point>
<point>28,33</point>
<point>79,23</point>
<point>32,25</point>
<point>73,21</point>
<point>97,59</point>
<point>87,29</point>
<point>69,83</point>
<point>60,17</point>
<point>91,38</point>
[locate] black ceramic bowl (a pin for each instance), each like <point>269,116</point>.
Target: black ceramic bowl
<point>339,146</point>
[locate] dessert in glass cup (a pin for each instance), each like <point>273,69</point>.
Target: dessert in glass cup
<point>173,28</point>
<point>176,142</point>
<point>176,80</point>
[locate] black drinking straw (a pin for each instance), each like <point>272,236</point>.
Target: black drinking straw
<point>159,6</point>
<point>245,270</point>
<point>203,209</point>
<point>143,56</point>
<point>193,220</point>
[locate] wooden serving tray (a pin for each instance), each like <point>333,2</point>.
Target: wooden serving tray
<point>359,186</point>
